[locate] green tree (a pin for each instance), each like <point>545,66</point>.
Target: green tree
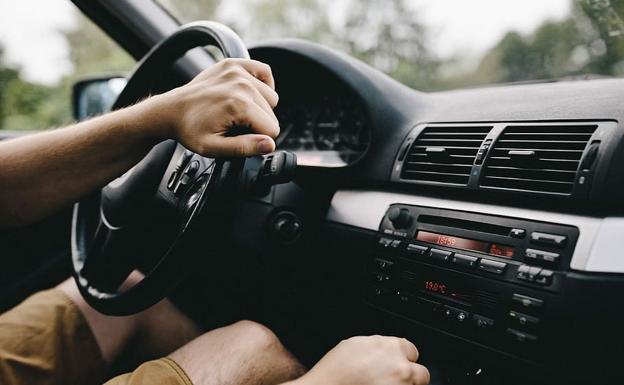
<point>590,40</point>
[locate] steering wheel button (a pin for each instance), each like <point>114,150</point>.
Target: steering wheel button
<point>173,178</point>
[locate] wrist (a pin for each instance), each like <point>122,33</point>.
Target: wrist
<point>152,118</point>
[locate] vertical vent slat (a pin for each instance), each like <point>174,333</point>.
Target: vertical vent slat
<point>444,154</point>
<point>537,158</point>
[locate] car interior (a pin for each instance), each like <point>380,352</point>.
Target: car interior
<point>479,223</point>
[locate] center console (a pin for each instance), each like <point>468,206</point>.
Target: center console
<point>492,280</point>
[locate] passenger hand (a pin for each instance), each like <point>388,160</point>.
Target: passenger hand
<point>373,360</point>
<point>233,92</point>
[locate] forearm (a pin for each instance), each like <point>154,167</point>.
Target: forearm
<point>43,172</point>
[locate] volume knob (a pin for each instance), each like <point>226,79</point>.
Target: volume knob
<point>400,218</point>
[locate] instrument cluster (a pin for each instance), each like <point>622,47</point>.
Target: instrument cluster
<point>323,130</point>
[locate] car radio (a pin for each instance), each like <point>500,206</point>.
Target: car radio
<point>484,278</point>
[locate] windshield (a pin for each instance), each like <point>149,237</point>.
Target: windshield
<point>440,44</point>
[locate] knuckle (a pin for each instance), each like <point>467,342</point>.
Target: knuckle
<point>243,85</point>
<point>402,371</point>
<point>266,68</point>
<point>235,107</point>
<point>232,72</point>
<point>228,62</point>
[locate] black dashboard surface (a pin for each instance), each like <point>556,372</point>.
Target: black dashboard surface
<point>391,110</point>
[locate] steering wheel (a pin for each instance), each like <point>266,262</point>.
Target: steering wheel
<point>102,224</point>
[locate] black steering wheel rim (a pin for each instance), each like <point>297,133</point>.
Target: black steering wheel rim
<point>143,179</point>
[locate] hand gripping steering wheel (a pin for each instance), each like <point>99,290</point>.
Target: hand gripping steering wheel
<point>101,240</point>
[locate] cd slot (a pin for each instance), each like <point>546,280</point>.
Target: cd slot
<point>464,224</point>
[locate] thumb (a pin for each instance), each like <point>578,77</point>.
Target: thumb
<point>240,146</point>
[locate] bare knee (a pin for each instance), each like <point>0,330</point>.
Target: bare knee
<point>245,352</point>
<point>255,337</point>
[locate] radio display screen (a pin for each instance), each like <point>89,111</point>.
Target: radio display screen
<point>465,243</point>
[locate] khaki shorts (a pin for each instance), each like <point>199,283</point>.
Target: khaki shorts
<point>46,341</point>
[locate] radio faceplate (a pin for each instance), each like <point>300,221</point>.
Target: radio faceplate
<point>509,249</point>
<point>484,278</point>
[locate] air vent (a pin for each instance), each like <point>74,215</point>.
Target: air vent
<point>444,154</point>
<point>540,158</point>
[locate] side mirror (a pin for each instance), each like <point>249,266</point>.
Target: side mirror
<point>95,96</point>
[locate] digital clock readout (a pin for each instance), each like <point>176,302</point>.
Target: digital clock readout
<point>465,243</point>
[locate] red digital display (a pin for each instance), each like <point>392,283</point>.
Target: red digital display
<point>501,250</point>
<point>435,287</point>
<point>465,243</point>
<point>442,288</point>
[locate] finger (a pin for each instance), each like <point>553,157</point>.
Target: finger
<point>267,92</point>
<point>259,120</point>
<point>420,375</point>
<point>262,94</point>
<point>240,146</point>
<point>259,70</point>
<point>409,349</point>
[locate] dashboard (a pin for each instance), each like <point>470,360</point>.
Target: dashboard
<point>482,224</point>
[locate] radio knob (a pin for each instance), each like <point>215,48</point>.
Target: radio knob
<point>400,218</point>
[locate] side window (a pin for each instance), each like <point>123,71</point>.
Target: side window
<point>42,54</point>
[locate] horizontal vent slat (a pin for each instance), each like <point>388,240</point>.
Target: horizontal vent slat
<point>454,151</point>
<point>548,161</point>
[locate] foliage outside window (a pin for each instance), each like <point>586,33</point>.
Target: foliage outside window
<point>25,105</point>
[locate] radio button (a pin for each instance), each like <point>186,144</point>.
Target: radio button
<point>465,260</point>
<point>455,315</point>
<point>404,297</point>
<point>416,249</point>
<point>492,266</point>
<point>440,255</point>
<point>521,337</point>
<point>482,323</point>
<point>541,255</point>
<point>383,265</point>
<point>523,272</point>
<point>549,239</point>
<point>517,233</point>
<point>381,277</point>
<point>524,320</point>
<point>544,277</point>
<point>527,302</point>
<point>379,292</point>
<point>384,242</point>
<point>533,272</point>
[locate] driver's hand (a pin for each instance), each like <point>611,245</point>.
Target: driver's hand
<point>373,360</point>
<point>233,92</point>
